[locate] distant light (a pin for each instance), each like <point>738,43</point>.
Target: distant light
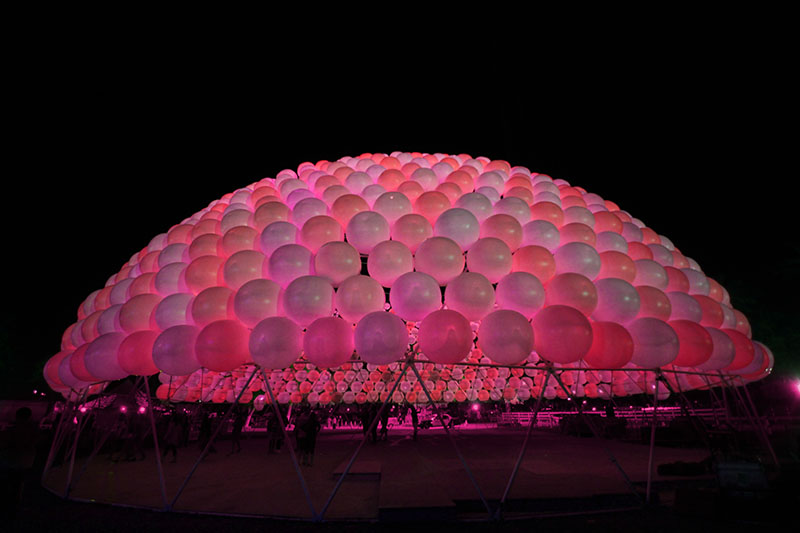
<point>35,391</point>
<point>569,398</point>
<point>797,385</point>
<point>123,409</point>
<point>142,409</point>
<point>584,401</point>
<point>475,406</point>
<point>83,409</point>
<point>593,408</point>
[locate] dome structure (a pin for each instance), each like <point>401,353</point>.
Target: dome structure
<point>331,275</point>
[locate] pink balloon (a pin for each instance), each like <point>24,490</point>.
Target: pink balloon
<point>174,310</point>
<point>66,376</point>
<point>214,303</point>
<point>579,258</point>
<point>337,261</point>
<point>346,206</point>
<point>102,357</point>
<point>655,343</point>
<point>168,279</point>
<point>459,225</point>
<point>276,235</point>
<point>392,206</point>
<point>241,267</point>
<point>617,301</point>
<point>136,353</point>
<point>290,262</point>
<point>441,258</point>
<point>203,272</point>
<point>745,352</point>
<point>653,303</point>
<point>174,350</point>
<point>388,261</point>
<point>276,342</point>
<point>308,298</point>
<point>358,296</point>
<point>431,204</point>
<point>684,307</point>
<point>107,323</point>
<point>328,342</point>
<point>77,366</point>
<point>491,257</point>
<point>573,290</point>
<point>506,337</point>
<point>426,178</point>
<point>521,292</point>
<point>319,230</point>
<point>174,253</point>
<point>722,353</point>
<point>477,204</point>
<point>366,229</point>
<point>676,280</point>
<point>445,336</point>
<point>137,312</point>
<point>648,272</point>
<point>561,334</point>
<point>612,346</point>
<point>302,212</point>
<point>617,265</point>
<point>515,207</point>
<point>541,233</point>
<point>414,295</point>
<point>256,300</point>
<point>471,294</point>
<point>412,230</point>
<point>696,344</point>
<point>222,346</point>
<point>535,260</point>
<point>357,181</point>
<point>698,282</point>
<point>381,338</point>
<point>711,309</point>
<point>504,227</point>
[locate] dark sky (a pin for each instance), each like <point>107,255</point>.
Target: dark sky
<point>110,164</point>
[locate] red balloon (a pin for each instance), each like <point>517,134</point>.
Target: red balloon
<point>328,342</point>
<point>696,345</point>
<point>612,346</point>
<point>136,353</point>
<point>561,334</point>
<point>445,336</point>
<point>745,352</point>
<point>222,346</point>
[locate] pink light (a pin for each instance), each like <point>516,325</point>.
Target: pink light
<point>83,409</point>
<point>797,385</point>
<point>123,409</point>
<point>142,410</point>
<point>475,406</point>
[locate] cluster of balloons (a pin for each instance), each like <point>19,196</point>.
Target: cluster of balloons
<point>462,259</point>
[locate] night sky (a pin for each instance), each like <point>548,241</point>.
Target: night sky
<point>111,163</point>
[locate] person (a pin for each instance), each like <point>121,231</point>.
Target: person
<point>311,427</point>
<point>385,422</point>
<point>273,433</point>
<point>206,432</point>
<point>171,438</point>
<point>414,419</point>
<point>236,433</point>
<point>19,453</point>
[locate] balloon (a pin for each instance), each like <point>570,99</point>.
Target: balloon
<point>431,204</point>
<point>541,233</point>
<point>711,311</point>
<point>655,343</point>
<point>337,261</point>
<point>203,272</point>
<point>439,257</point>
<point>684,307</point>
<point>653,303</point>
<point>66,376</point>
<point>102,359</point>
<point>617,301</point>
<point>460,225</point>
<point>276,235</point>
<point>471,294</point>
<point>414,295</point>
<point>612,346</point>
<point>722,353</point>
<point>577,232</point>
<point>412,230</point>
<point>574,290</point>
<point>328,342</point>
<point>346,206</point>
<point>521,292</point>
<point>615,264</point>
<point>546,210</point>
<point>696,344</point>
<point>380,338</point>
<point>319,230</point>
<point>77,366</point>
<point>745,352</point>
<point>515,207</point>
<point>698,282</point>
<point>289,262</point>
<point>578,258</point>
<point>477,204</point>
<point>222,346</point>
<point>136,313</point>
<point>173,310</point>
<point>388,260</point>
<point>366,229</point>
<point>358,296</point>
<point>302,212</point>
<point>308,298</point>
<point>256,300</point>
<point>392,206</point>
<point>506,337</point>
<point>535,260</point>
<point>561,334</point>
<point>491,257</point>
<point>168,279</point>
<point>504,227</point>
<point>275,342</point>
<point>648,272</point>
<point>445,336</point>
<point>136,353</point>
<point>214,303</point>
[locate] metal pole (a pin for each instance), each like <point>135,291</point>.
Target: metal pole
<point>756,422</point>
<point>210,442</point>
<point>302,479</point>
<point>524,446</point>
<point>155,443</point>
<point>652,441</point>
<point>81,423</point>
<point>58,437</point>
<point>339,482</point>
<point>453,442</point>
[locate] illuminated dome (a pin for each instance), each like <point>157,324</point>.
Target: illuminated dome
<point>331,275</point>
